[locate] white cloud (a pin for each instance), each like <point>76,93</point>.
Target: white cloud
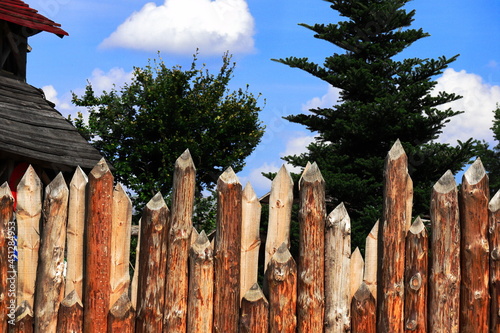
<point>326,101</point>
<point>116,76</point>
<point>479,100</point>
<point>260,183</point>
<point>181,26</point>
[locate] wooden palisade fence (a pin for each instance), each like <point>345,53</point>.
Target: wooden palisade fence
<point>72,268</point>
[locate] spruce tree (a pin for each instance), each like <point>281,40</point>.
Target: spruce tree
<point>382,99</point>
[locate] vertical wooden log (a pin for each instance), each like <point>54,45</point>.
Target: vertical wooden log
<point>254,311</point>
<point>50,280</point>
<point>70,316</point>
<point>356,272</point>
<point>8,274</point>
<point>337,270</point>
<point>474,289</point>
<point>280,212</point>
<point>371,260</point>
<point>392,233</point>
<point>444,281</point>
<point>121,316</point>
<point>250,239</point>
<point>416,272</point>
<point>179,242</point>
<point>363,311</point>
<point>227,253</point>
<point>494,233</point>
<point>409,202</point>
<point>98,248</point>
<point>29,210</point>
<point>201,286</point>
<point>311,268</point>
<point>152,266</point>
<point>135,277</point>
<point>120,244</point>
<point>281,277</point>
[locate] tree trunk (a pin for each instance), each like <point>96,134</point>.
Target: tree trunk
<point>254,311</point>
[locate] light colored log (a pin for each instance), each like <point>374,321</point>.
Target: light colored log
<point>494,233</point>
<point>8,275</point>
<point>70,316</point>
<point>28,214</point>
<point>393,233</point>
<point>337,271</point>
<point>250,239</point>
<point>50,282</point>
<point>135,276</point>
<point>227,253</point>
<point>281,278</point>
<point>152,266</point>
<point>280,212</point>
<point>201,286</point>
<point>363,311</point>
<point>444,281</point>
<point>409,202</point>
<point>75,233</point>
<point>120,244</point>
<point>179,241</point>
<point>474,290</point>
<point>416,273</point>
<point>121,317</point>
<point>356,272</point>
<point>371,260</point>
<point>311,268</point>
<point>254,311</point>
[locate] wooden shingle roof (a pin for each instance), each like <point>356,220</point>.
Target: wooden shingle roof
<point>30,127</point>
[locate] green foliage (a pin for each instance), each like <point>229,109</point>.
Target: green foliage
<point>382,99</point>
<point>491,157</point>
<point>143,127</point>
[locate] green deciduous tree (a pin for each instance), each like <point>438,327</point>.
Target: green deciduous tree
<point>382,98</point>
<point>143,127</point>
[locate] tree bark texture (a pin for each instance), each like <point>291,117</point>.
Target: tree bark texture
<point>254,311</point>
<point>70,316</point>
<point>363,311</point>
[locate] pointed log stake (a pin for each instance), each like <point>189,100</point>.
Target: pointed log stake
<point>152,266</point>
<point>179,239</point>
<point>337,271</point>
<point>392,234</point>
<point>98,246</point>
<point>280,212</point>
<point>363,311</point>
<point>201,286</point>
<point>70,317</point>
<point>50,281</point>
<point>7,260</point>
<point>75,232</point>
<point>356,272</point>
<point>371,260</point>
<point>24,321</point>
<point>227,253</point>
<point>494,230</point>
<point>416,272</point>
<point>121,317</point>
<point>250,239</point>
<point>28,214</point>
<point>444,281</point>
<point>474,290</point>
<point>311,269</point>
<point>254,311</point>
<point>281,277</point>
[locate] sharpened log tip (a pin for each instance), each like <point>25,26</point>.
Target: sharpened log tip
<point>311,174</point>
<point>254,294</point>
<point>100,169</point>
<point>417,226</point>
<point>338,215</point>
<point>229,177</point>
<point>156,202</point>
<point>396,151</point>
<point>446,183</point>
<point>282,254</point>
<point>185,160</point>
<point>475,172</point>
<point>494,204</point>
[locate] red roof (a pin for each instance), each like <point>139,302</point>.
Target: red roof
<point>18,12</point>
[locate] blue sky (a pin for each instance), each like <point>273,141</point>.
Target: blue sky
<point>108,37</point>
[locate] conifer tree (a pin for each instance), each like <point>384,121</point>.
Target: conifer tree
<point>382,99</point>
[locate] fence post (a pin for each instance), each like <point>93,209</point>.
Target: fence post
<point>311,268</point>
<point>416,273</point>
<point>474,290</point>
<point>356,272</point>
<point>392,233</point>
<point>121,316</point>
<point>363,311</point>
<point>254,311</point>
<point>494,230</point>
<point>70,316</point>
<point>371,260</point>
<point>7,268</point>
<point>337,271</point>
<point>444,281</point>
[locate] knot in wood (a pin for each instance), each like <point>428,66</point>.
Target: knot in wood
<point>495,254</point>
<point>278,275</point>
<point>411,325</point>
<point>416,282</point>
<point>279,204</point>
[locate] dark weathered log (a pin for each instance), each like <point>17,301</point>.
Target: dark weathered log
<point>179,242</point>
<point>281,277</point>
<point>444,281</point>
<point>98,248</point>
<point>201,286</point>
<point>24,320</point>
<point>227,253</point>
<point>371,260</point>
<point>50,279</point>
<point>474,289</point>
<point>363,311</point>
<point>337,271</point>
<point>392,235</point>
<point>152,266</point>
<point>70,317</point>
<point>121,316</point>
<point>7,267</point>
<point>416,272</point>
<point>494,230</point>
<point>254,311</point>
<point>311,268</point>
